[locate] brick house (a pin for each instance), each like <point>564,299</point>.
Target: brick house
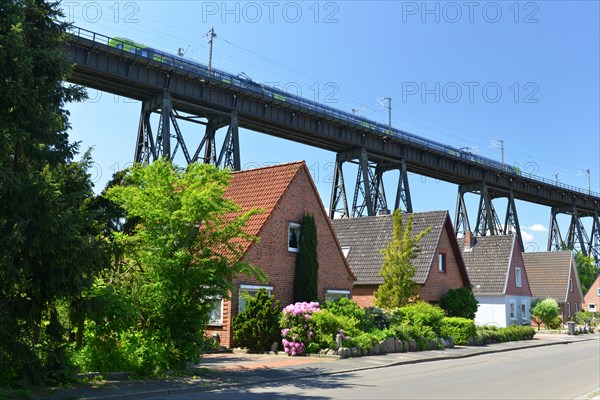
<point>284,193</point>
<point>591,300</point>
<point>439,265</point>
<point>554,274</point>
<point>499,278</point>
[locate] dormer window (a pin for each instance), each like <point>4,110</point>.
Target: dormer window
<point>293,237</point>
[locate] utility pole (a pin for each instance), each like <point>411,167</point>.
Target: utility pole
<point>389,107</point>
<point>499,143</point>
<point>211,34</point>
<point>586,172</point>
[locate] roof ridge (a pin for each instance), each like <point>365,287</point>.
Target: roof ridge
<point>269,166</point>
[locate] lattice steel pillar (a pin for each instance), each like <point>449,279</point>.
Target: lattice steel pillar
<point>229,156</point>
<point>555,240</point>
<point>487,218</point>
<point>338,191</point>
<point>461,218</point>
<point>594,243</point>
<point>403,191</point>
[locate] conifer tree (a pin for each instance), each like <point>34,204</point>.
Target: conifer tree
<point>307,262</point>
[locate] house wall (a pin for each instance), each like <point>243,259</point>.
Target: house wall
<point>363,295</point>
<point>438,283</point>
<point>593,296</point>
<point>511,283</point>
<point>574,298</point>
<point>272,255</point>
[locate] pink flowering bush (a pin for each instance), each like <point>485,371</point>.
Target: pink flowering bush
<point>298,328</point>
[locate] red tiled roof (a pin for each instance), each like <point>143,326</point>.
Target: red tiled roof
<point>549,273</point>
<point>260,188</point>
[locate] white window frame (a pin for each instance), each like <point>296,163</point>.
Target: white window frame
<point>250,288</point>
<point>592,307</point>
<point>518,277</point>
<point>570,284</point>
<point>512,309</point>
<point>336,294</point>
<point>524,316</point>
<point>293,227</point>
<point>442,262</point>
<point>217,322</point>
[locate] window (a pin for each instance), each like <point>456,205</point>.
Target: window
<point>513,309</point>
<point>215,315</point>
<point>592,307</point>
<point>333,295</point>
<point>524,316</point>
<point>293,237</point>
<point>569,310</point>
<point>346,251</point>
<point>570,284</point>
<point>598,292</point>
<point>518,277</point>
<point>576,308</point>
<point>247,291</point>
<point>442,262</point>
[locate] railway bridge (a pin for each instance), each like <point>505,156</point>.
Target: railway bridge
<point>178,90</point>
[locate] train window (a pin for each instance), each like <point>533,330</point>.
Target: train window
<point>144,53</point>
<point>120,46</point>
<point>132,50</point>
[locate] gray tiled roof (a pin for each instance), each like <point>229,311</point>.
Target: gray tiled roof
<point>488,262</point>
<point>367,236</point>
<point>548,274</point>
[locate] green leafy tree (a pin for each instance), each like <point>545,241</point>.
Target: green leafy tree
<point>587,271</point>
<point>398,272</point>
<point>184,250</point>
<point>49,251</point>
<point>545,312</point>
<point>306,275</point>
<point>257,327</point>
<point>460,302</point>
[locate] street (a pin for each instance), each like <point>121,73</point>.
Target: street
<point>567,371</point>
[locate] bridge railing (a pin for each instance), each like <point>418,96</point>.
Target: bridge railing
<point>270,93</point>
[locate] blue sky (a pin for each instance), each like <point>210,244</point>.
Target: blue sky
<point>462,73</point>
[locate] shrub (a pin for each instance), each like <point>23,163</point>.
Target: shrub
<point>422,314</point>
<point>555,323</point>
<point>407,332</point>
<point>492,334</point>
<point>257,327</point>
<point>345,307</point>
<point>459,328</point>
<point>328,325</point>
<point>546,312</point>
<point>375,318</point>
<point>460,302</point>
<point>298,328</point>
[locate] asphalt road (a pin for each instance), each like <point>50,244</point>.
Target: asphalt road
<point>567,371</point>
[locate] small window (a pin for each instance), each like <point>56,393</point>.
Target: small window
<point>293,237</point>
<point>569,310</point>
<point>247,291</point>
<point>346,251</point>
<point>513,310</point>
<point>215,315</point>
<point>598,292</point>
<point>442,262</point>
<point>518,277</point>
<point>576,308</point>
<point>524,311</point>
<point>570,284</point>
<point>592,307</point>
<point>132,50</point>
<point>333,295</point>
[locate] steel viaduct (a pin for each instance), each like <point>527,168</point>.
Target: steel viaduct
<point>180,91</point>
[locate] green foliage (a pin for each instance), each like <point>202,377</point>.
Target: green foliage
<point>421,314</point>
<point>587,318</point>
<point>346,307</point>
<point>492,334</point>
<point>461,329</point>
<point>545,311</point>
<point>586,270</point>
<point>257,327</point>
<point>49,249</point>
<point>328,325</point>
<point>375,318</point>
<point>460,302</point>
<point>398,273</point>
<point>184,250</point>
<point>307,262</point>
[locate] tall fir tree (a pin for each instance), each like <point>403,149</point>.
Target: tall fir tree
<point>306,276</point>
<point>398,271</point>
<point>48,246</point>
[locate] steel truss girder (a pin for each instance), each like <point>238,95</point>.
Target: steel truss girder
<point>369,192</point>
<point>150,148</point>
<point>488,221</point>
<point>577,237</point>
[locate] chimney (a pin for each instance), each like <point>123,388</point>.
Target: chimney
<point>384,211</point>
<point>469,242</point>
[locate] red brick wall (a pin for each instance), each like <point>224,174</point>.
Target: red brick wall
<point>273,257</point>
<point>592,296</point>
<point>363,295</point>
<point>438,283</point>
<point>511,284</point>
